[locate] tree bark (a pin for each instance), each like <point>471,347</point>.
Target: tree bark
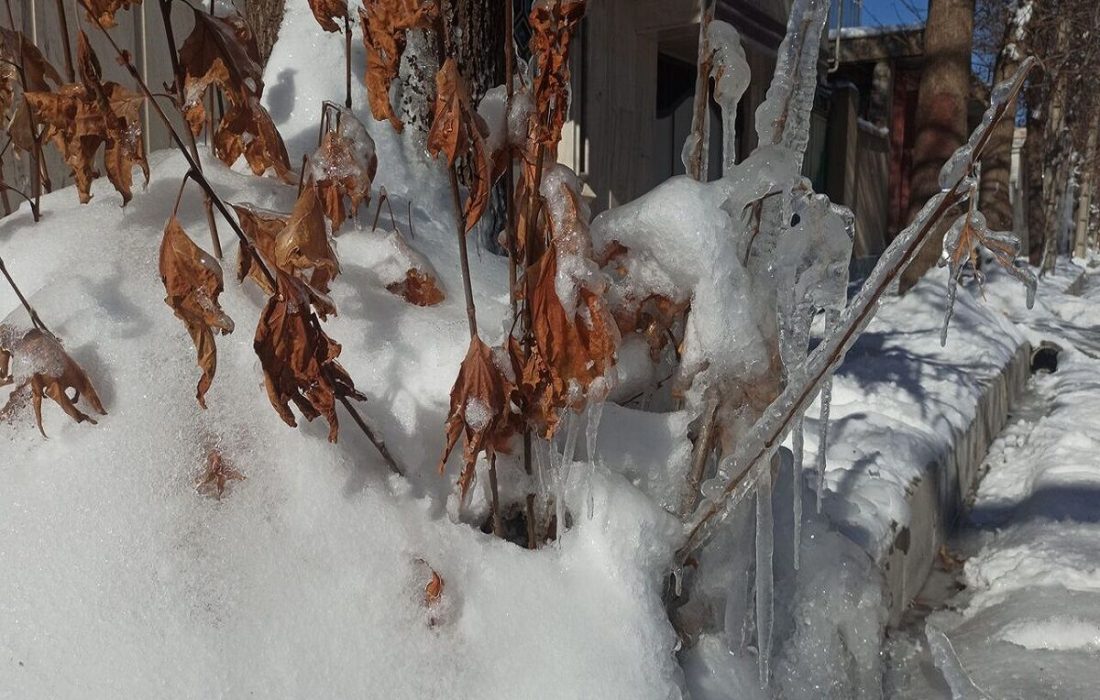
<point>941,112</point>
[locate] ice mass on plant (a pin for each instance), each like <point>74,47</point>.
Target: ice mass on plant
<point>672,332</point>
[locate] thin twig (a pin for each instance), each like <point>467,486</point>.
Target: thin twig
<point>347,61</point>
<point>178,76</point>
<point>375,440</point>
<point>23,300</point>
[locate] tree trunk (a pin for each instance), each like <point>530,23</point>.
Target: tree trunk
<point>264,18</point>
<point>995,181</point>
<point>1034,204</point>
<point>480,53</point>
<point>1088,183</point>
<point>941,112</point>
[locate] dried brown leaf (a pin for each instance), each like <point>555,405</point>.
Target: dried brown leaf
<point>217,475</point>
<point>81,117</point>
<point>262,228</point>
<point>39,74</point>
<point>326,12</point>
<point>385,23</point>
<point>193,280</point>
<point>246,130</point>
<point>343,166</point>
<point>222,52</point>
<point>299,359</point>
<point>54,374</point>
<point>480,409</point>
<point>303,247</point>
<point>104,10</point>
<point>459,131</point>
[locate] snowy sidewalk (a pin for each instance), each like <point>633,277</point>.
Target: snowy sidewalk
<point>1027,623</point>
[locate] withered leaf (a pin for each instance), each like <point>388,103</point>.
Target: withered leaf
<point>326,12</point>
<point>298,359</point>
<point>219,51</point>
<point>575,344</point>
<point>222,52</point>
<point>217,475</point>
<point>303,244</point>
<point>246,130</point>
<point>104,10</point>
<point>343,167</point>
<point>385,23</point>
<point>407,273</point>
<point>39,74</point>
<point>553,25</point>
<point>54,374</point>
<point>193,281</point>
<point>81,117</point>
<point>459,131</point>
<point>480,409</point>
<point>262,228</point>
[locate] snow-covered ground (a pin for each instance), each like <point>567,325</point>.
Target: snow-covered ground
<point>307,580</point>
<point>1027,623</point>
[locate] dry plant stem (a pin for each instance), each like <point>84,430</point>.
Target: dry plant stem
<point>23,300</point>
<point>378,443</point>
<point>384,197</point>
<point>36,150</point>
<point>510,208</point>
<point>700,454</point>
<point>347,62</point>
<point>66,47</point>
<point>463,256</point>
<point>700,107</point>
<point>177,75</point>
<point>498,523</point>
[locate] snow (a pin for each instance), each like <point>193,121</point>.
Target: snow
<point>308,577</point>
<point>1027,623</point>
<point>305,579</point>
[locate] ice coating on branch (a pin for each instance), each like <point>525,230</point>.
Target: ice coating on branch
<point>784,116</point>
<point>812,270</point>
<point>507,125</point>
<point>569,216</point>
<point>765,548</point>
<point>956,168</point>
<point>731,74</point>
<point>778,420</point>
<point>361,150</point>
<point>678,244</point>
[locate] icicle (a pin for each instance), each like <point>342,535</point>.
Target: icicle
<point>730,71</point>
<point>591,433</point>
<point>832,325</point>
<point>764,549</point>
<point>799,452</point>
<point>822,437</point>
<point>563,468</point>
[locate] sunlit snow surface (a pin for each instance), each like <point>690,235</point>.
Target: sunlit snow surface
<point>1027,625</point>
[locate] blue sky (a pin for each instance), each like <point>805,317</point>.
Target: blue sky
<point>879,12</point>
